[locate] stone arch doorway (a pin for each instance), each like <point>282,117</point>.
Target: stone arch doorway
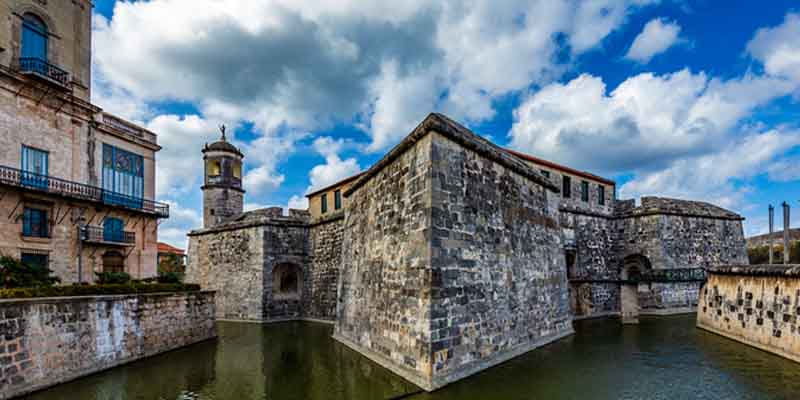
<point>632,268</point>
<point>287,281</point>
<point>113,261</point>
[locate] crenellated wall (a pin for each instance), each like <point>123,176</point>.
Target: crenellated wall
<point>47,341</point>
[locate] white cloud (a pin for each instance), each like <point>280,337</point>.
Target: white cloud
<point>786,170</point>
<point>298,203</point>
<point>657,36</point>
<point>307,65</point>
<point>181,220</point>
<point>335,169</point>
<point>778,48</point>
<point>678,133</point>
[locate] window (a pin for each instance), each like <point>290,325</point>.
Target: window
<point>34,167</point>
<point>37,259</point>
<point>584,191</point>
<point>546,173</point>
<point>237,170</point>
<point>34,223</point>
<point>601,195</point>
<point>337,200</point>
<point>113,261</point>
<point>214,168</point>
<point>324,205</point>
<point>566,186</point>
<point>113,230</point>
<point>34,38</point>
<point>123,177</point>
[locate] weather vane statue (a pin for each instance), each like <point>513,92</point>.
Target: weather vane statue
<point>222,129</point>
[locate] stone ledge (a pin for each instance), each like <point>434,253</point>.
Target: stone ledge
<point>757,270</point>
<point>69,299</point>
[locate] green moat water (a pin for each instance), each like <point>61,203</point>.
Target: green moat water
<point>662,358</point>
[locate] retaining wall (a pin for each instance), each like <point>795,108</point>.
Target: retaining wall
<point>47,341</point>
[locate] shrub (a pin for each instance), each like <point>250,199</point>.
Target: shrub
<point>95,290</point>
<point>170,277</point>
<point>112,277</point>
<point>14,274</point>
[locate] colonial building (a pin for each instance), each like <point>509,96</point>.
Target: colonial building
<point>451,254</point>
<point>76,183</point>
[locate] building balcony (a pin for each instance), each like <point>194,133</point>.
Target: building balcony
<point>101,236</point>
<point>73,190</point>
<point>43,69</point>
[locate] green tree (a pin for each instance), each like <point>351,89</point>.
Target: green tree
<point>16,274</point>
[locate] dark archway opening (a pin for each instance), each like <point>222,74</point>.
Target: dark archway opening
<point>287,281</point>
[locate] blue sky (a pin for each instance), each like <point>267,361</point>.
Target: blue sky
<point>692,99</point>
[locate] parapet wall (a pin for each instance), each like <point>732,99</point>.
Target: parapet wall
<point>757,305</point>
<point>47,341</point>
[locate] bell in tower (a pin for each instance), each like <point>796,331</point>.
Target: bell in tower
<point>223,196</point>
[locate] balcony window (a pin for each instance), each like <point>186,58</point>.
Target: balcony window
<point>34,38</point>
<point>337,200</point>
<point>123,177</point>
<point>34,223</point>
<point>113,230</point>
<point>34,168</point>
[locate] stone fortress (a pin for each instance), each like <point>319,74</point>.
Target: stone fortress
<point>451,254</point>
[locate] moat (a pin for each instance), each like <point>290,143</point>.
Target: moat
<point>662,358</point>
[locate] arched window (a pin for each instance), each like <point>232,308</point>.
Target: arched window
<point>113,261</point>
<point>286,281</point>
<point>34,38</point>
<point>214,168</point>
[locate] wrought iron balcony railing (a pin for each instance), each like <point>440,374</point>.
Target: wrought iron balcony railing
<point>43,68</point>
<point>97,234</point>
<point>60,187</point>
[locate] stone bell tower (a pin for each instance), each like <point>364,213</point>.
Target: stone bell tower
<point>223,196</point>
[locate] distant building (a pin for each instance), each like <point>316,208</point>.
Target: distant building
<point>76,183</point>
<point>169,254</point>
<point>776,239</point>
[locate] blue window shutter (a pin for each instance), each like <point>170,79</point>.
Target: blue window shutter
<point>34,41</point>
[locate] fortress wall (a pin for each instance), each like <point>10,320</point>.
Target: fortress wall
<point>286,245</point>
<point>756,305</point>
<point>230,263</point>
<point>499,284</point>
<point>325,239</point>
<point>384,290</point>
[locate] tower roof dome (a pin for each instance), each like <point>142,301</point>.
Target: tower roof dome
<point>222,145</point>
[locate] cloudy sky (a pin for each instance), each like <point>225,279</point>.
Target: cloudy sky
<point>691,99</point>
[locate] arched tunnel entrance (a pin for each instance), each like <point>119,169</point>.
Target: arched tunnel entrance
<point>632,268</point>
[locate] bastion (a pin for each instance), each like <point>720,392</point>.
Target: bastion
<point>452,258</point>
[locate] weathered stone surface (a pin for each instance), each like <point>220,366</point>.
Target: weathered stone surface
<point>451,263</point>
<point>756,305</point>
<point>52,340</point>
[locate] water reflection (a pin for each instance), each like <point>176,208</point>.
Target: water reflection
<point>662,358</point>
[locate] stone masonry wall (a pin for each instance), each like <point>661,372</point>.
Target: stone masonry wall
<point>326,257</point>
<point>499,285</point>
<point>285,244</point>
<point>755,305</point>
<point>48,341</point>
<point>385,283</point>
<point>230,263</point>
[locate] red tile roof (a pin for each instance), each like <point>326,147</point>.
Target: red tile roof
<point>165,248</point>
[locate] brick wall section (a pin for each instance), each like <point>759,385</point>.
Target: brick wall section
<point>756,305</point>
<point>44,342</point>
<point>326,258</point>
